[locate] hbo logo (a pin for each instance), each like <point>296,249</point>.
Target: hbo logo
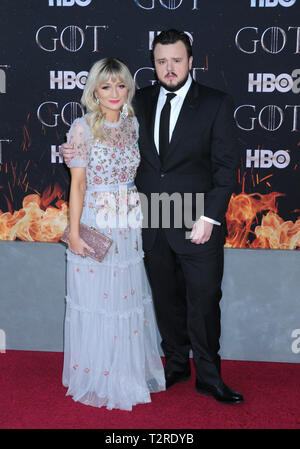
<point>271,3</point>
<point>267,159</point>
<point>67,79</point>
<point>268,82</point>
<point>69,2</point>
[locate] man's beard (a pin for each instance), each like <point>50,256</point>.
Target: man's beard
<point>173,88</point>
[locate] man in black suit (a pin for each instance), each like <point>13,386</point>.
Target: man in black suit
<point>187,145</point>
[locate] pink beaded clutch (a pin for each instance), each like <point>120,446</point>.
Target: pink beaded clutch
<point>94,238</point>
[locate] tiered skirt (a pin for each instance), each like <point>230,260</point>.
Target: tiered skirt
<point>111,351</point>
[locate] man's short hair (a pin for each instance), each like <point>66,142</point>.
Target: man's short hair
<point>171,37</point>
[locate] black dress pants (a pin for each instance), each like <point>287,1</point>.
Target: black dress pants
<point>186,293</point>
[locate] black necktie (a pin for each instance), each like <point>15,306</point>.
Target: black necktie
<point>164,126</point>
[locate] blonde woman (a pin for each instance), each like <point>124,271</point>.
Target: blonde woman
<point>111,355</point>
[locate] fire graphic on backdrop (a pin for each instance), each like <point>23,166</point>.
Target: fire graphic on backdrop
<point>252,219</point>
<point>244,230</point>
<point>36,220</point>
<point>44,218</point>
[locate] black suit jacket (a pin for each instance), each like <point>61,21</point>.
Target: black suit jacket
<point>202,156</point>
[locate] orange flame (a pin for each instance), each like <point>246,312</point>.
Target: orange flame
<point>37,220</point>
<point>273,232</point>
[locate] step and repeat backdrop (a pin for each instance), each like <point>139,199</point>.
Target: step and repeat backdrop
<point>248,48</point>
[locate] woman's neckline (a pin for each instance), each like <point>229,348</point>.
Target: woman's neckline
<point>113,124</point>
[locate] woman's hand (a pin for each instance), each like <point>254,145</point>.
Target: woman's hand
<point>78,246</point>
<point>68,152</point>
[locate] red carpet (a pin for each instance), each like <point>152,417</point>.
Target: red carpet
<point>32,397</point>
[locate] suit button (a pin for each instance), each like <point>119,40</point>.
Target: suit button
<point>162,174</point>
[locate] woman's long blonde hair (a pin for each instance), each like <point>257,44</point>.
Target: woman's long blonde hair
<point>100,73</point>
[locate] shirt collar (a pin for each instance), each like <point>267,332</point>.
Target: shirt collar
<point>180,92</point>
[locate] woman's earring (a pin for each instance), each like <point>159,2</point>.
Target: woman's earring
<point>124,111</point>
<point>100,115</point>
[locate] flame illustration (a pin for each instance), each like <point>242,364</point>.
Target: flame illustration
<point>248,226</point>
<point>37,220</point>
<point>273,232</point>
<point>43,217</point>
<point>252,219</point>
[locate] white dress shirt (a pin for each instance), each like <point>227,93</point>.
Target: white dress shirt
<point>176,104</point>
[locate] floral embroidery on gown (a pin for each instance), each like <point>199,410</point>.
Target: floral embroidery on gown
<point>111,353</point>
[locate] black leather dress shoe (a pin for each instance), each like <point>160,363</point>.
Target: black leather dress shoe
<point>220,392</point>
<point>173,378</point>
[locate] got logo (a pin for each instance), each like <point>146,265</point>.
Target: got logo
<point>167,4</point>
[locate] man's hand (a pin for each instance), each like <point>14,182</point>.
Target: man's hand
<point>68,152</point>
<point>201,231</point>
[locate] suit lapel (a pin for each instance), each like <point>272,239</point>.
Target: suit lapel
<point>186,116</point>
<point>152,112</point>
<point>183,125</point>
<point>150,120</point>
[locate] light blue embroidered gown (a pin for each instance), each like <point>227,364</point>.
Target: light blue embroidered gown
<point>111,355</point>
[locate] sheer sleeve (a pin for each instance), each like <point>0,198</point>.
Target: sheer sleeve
<point>78,135</point>
<point>137,126</point>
